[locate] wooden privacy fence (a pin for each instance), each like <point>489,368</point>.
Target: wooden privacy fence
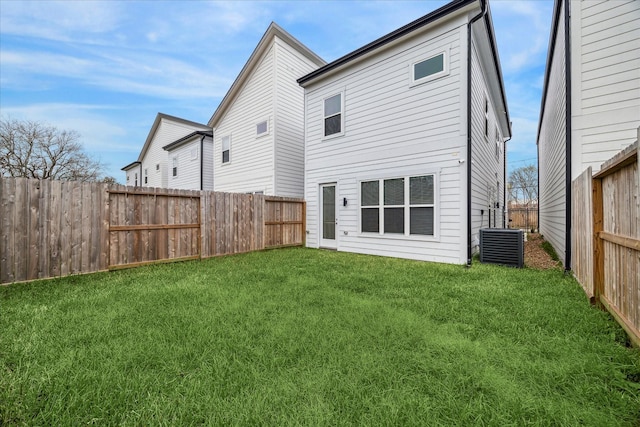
<point>582,231</point>
<point>54,228</point>
<point>523,217</point>
<point>606,245</point>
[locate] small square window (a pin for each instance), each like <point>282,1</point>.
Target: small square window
<point>262,128</point>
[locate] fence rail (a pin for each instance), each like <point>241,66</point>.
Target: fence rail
<point>54,228</point>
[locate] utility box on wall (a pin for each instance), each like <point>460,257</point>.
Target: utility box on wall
<point>502,246</point>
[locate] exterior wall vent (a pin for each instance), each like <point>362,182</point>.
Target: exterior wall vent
<point>502,246</point>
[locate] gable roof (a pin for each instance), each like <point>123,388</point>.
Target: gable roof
<point>265,42</point>
<point>155,126</point>
<point>427,19</point>
<point>185,139</point>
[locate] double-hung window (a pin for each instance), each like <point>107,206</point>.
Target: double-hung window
<point>333,114</point>
<point>175,166</point>
<point>404,206</point>
<point>226,149</point>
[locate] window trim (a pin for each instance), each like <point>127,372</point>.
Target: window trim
<point>445,71</point>
<point>407,207</point>
<point>486,117</point>
<point>222,150</point>
<point>498,145</point>
<point>266,132</point>
<point>342,115</point>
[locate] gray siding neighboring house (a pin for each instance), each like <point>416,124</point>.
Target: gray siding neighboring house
<point>259,125</point>
<point>404,140</point>
<point>591,102</point>
<point>151,169</point>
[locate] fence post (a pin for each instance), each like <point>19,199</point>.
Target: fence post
<point>598,245</point>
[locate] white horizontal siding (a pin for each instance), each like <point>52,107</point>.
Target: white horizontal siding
<point>605,80</point>
<point>552,150</point>
<point>289,121</point>
<point>167,132</point>
<point>487,170</point>
<point>207,155</point>
<point>188,176</point>
<point>251,165</point>
<point>392,129</point>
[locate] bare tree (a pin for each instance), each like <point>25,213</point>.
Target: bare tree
<point>33,149</point>
<point>523,184</point>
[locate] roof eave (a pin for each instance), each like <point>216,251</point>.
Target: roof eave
<point>185,139</point>
<point>550,52</point>
<point>130,166</point>
<point>447,9</point>
<point>154,128</point>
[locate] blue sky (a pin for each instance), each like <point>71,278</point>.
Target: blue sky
<point>106,68</point>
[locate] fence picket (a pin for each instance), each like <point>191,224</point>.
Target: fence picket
<point>54,228</point>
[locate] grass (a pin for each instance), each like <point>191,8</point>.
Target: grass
<point>548,248</point>
<point>302,336</point>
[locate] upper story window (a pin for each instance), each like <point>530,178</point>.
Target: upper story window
<point>226,149</point>
<point>262,128</point>
<point>146,175</point>
<point>157,167</point>
<point>334,115</point>
<point>429,69</point>
<point>486,118</point>
<point>175,167</point>
<point>498,145</point>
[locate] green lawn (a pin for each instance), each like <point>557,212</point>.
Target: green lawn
<point>301,336</point>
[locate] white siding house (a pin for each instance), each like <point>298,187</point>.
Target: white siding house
<point>590,105</point>
<point>259,125</point>
<point>404,140</point>
<point>152,169</point>
<point>190,161</point>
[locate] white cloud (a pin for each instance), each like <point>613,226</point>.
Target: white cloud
<point>58,20</point>
<point>524,30</point>
<point>128,72</point>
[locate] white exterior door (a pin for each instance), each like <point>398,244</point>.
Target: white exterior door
<point>328,217</point>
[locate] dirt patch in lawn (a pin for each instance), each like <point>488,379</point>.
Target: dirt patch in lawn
<point>534,254</point>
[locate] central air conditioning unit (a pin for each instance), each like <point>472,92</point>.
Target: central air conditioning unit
<point>502,246</point>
